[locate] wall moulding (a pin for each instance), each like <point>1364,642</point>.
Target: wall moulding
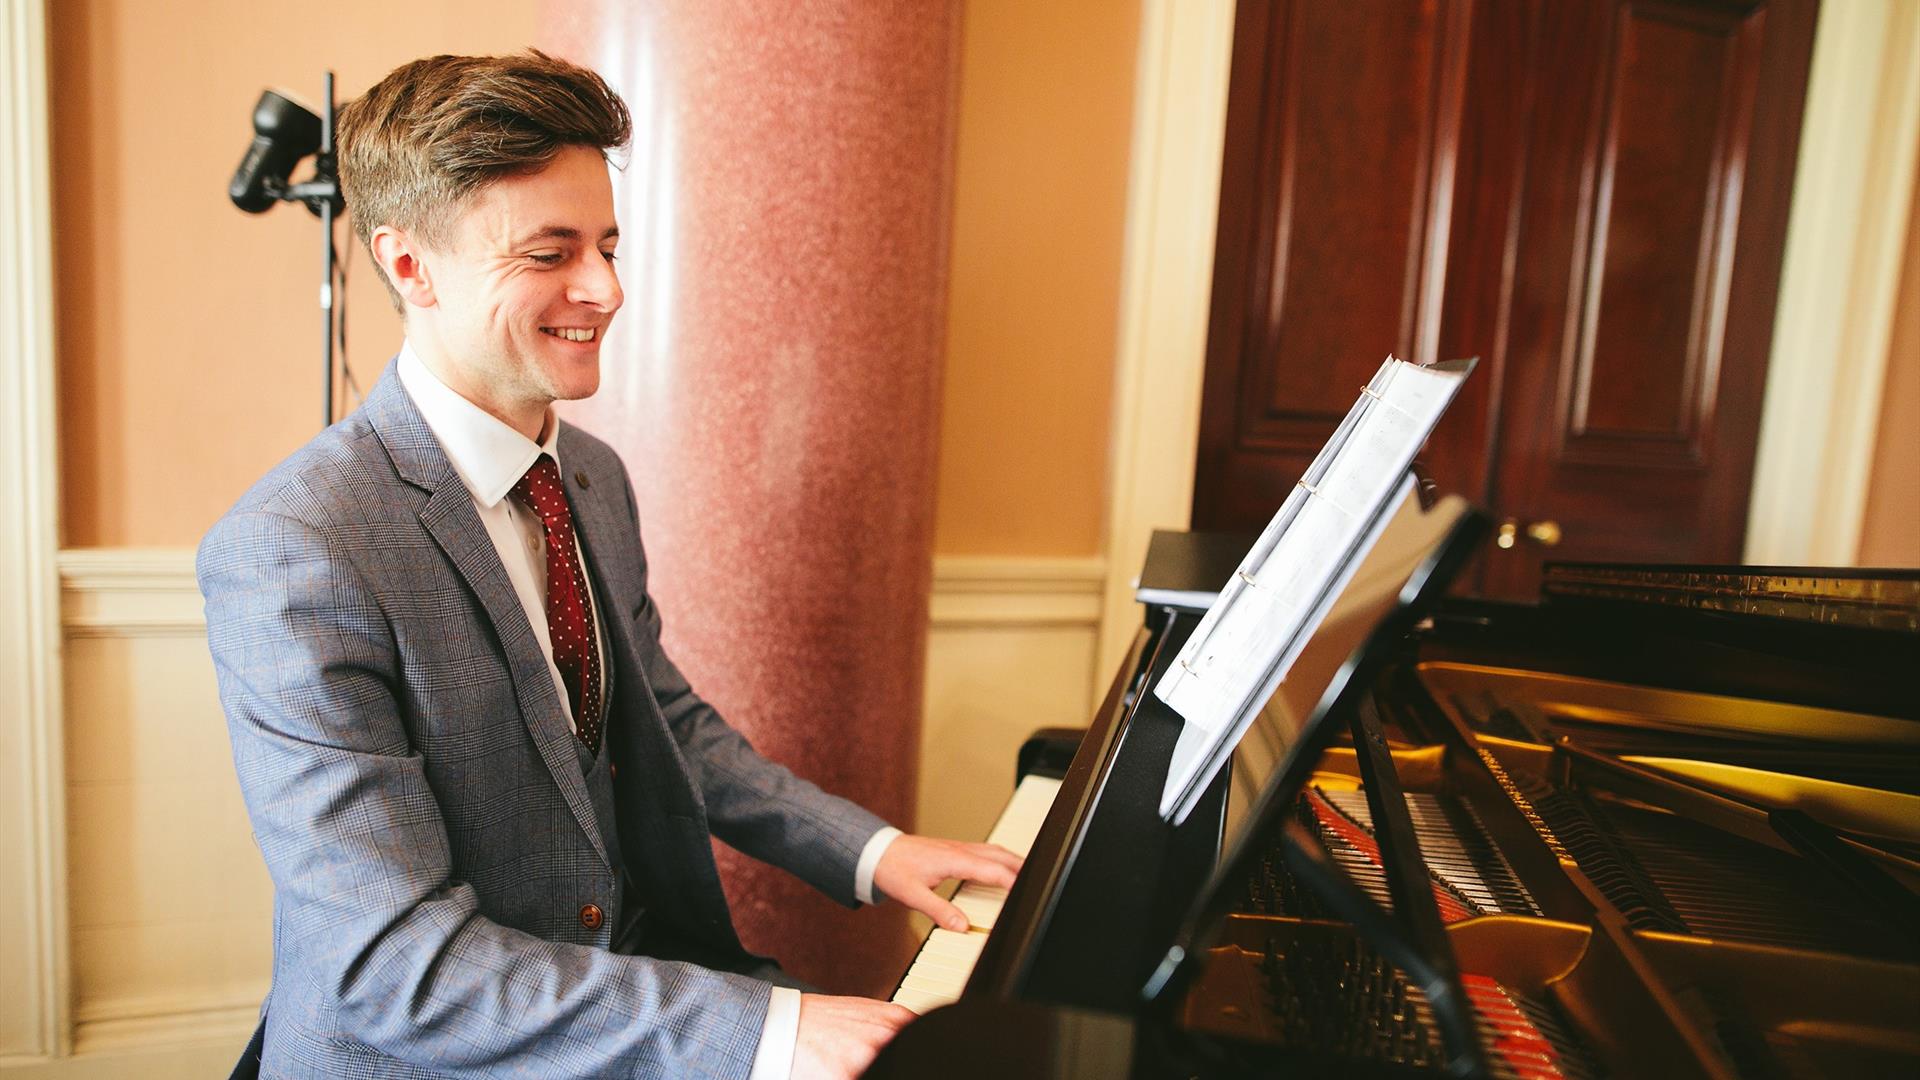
<point>130,592</point>
<point>169,1024</point>
<point>152,592</point>
<point>33,870</point>
<point>989,591</point>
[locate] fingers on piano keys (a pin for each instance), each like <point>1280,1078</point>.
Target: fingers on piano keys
<point>947,958</point>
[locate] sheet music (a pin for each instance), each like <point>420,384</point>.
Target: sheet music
<point>1270,608</point>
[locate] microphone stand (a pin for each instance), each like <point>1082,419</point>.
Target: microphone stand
<point>321,194</point>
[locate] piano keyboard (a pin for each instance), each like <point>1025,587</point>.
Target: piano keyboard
<point>946,958</point>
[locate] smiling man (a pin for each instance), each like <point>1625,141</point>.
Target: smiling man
<point>483,790</point>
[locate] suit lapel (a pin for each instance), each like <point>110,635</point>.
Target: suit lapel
<point>449,517</point>
<point>600,517</point>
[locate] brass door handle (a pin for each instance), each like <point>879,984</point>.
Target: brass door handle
<point>1544,533</point>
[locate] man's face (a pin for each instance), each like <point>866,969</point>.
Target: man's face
<point>523,289</point>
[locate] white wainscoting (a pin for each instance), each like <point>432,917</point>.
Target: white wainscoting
<point>1011,649</point>
<point>169,905</point>
<point>166,907</point>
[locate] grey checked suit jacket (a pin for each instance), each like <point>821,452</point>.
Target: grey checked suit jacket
<point>413,784</point>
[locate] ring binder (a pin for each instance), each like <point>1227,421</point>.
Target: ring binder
<point>1288,583</point>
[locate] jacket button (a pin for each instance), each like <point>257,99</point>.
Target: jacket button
<point>613,771</point>
<point>591,916</point>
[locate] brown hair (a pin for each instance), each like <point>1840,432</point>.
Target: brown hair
<point>434,131</point>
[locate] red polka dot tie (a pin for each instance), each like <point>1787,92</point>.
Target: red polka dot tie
<point>569,605</point>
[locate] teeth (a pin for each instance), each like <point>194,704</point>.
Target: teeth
<point>570,333</point>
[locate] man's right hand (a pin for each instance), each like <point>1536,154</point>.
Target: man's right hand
<point>840,1035</point>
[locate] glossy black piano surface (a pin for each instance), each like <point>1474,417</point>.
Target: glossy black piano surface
<point>1670,818</point>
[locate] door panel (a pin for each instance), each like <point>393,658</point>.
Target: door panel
<point>1590,195</point>
<point>1353,215</point>
<point>1649,244</point>
<point>1663,168</point>
<point>1335,113</point>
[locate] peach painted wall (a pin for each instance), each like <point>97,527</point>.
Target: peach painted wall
<point>1046,113</point>
<point>188,332</point>
<point>1890,535</point>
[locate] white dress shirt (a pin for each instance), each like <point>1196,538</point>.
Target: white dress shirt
<point>490,458</point>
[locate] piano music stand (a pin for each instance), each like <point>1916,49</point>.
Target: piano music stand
<point>1412,937</point>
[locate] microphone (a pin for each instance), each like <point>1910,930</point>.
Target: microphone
<point>283,133</point>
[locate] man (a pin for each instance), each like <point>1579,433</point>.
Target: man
<point>484,792</point>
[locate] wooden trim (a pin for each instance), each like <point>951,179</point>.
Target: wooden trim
<point>1173,202</point>
<point>33,931</point>
<point>983,592</point>
<point>1852,197</point>
<point>149,1027</point>
<point>130,593</point>
<point>186,1059</point>
<point>151,592</point>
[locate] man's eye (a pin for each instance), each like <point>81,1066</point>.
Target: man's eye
<point>610,256</point>
<point>545,260</point>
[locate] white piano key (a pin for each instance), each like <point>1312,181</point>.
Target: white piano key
<point>920,1001</point>
<point>941,967</point>
<point>935,977</point>
<point>936,981</point>
<point>932,987</point>
<point>981,911</point>
<point>1024,814</point>
<point>953,943</point>
<point>953,970</point>
<point>933,961</point>
<point>942,982</point>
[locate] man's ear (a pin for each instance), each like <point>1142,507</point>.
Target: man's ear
<point>403,260</point>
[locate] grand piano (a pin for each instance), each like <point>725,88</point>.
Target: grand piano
<point>1663,822</point>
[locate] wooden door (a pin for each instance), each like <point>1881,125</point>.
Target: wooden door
<point>1329,252</point>
<point>1590,195</point>
<point>1659,167</point>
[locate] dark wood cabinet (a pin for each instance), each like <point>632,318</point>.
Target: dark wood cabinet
<point>1590,195</point>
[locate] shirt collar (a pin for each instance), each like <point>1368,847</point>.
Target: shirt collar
<point>488,455</point>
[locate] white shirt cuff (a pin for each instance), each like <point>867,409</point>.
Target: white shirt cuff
<point>870,861</point>
<point>779,1038</point>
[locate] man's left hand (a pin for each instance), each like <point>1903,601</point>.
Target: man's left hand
<point>912,865</point>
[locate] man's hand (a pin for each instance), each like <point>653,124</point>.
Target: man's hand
<point>913,865</point>
<point>840,1035</point>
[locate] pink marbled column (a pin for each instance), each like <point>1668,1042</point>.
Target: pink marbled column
<point>773,384</point>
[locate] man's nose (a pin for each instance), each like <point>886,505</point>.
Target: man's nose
<point>596,284</point>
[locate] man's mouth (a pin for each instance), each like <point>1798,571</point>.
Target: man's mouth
<point>570,333</point>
